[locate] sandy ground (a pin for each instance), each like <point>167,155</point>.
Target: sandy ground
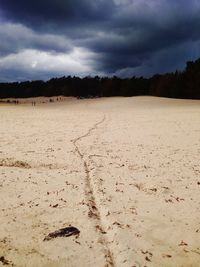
<point>124,171</point>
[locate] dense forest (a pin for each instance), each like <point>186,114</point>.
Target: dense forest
<point>185,84</point>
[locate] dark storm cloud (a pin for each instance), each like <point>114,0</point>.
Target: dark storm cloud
<point>51,14</point>
<point>132,37</point>
<point>124,36</point>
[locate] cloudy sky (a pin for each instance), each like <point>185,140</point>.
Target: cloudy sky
<point>40,39</point>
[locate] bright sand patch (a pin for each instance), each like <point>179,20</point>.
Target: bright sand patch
<point>124,171</point>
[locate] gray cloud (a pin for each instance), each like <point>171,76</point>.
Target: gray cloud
<point>16,37</point>
<point>119,37</point>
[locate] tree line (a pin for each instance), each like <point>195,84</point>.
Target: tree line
<point>184,84</point>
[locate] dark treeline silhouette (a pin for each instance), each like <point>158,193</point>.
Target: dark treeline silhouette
<point>185,84</point>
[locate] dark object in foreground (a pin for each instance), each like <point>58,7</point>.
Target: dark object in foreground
<point>4,261</point>
<point>64,232</point>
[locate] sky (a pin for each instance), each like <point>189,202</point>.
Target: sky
<point>41,39</point>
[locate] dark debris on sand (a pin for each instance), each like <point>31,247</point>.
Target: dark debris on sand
<point>5,262</point>
<point>64,232</point>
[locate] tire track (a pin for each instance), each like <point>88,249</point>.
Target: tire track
<point>94,212</point>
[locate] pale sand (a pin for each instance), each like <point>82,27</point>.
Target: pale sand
<point>124,171</point>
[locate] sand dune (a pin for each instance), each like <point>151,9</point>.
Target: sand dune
<point>124,171</point>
